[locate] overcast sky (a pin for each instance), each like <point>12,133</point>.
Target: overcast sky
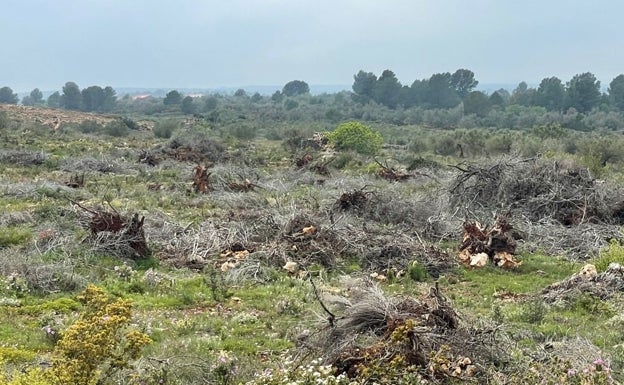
<point>210,44</point>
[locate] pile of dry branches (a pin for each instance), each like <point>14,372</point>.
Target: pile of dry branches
<point>537,189</point>
<point>375,330</point>
<point>116,234</point>
<point>588,281</point>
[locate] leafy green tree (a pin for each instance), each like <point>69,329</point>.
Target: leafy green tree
<point>210,103</point>
<point>256,97</point>
<point>187,105</point>
<point>463,82</point>
<point>71,99</point>
<point>440,92</point>
<point>550,94</point>
<point>363,85</point>
<point>616,92</point>
<point>34,98</point>
<point>357,137</point>
<point>92,98</point>
<point>296,87</point>
<point>416,94</point>
<point>477,103</point>
<point>583,92</point>
<point>110,99</point>
<point>277,97</point>
<point>240,93</point>
<point>387,90</point>
<point>173,98</point>
<point>7,96</point>
<point>496,99</point>
<point>522,95</point>
<point>54,100</point>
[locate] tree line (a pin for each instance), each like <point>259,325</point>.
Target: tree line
<point>440,91</point>
<point>446,90</point>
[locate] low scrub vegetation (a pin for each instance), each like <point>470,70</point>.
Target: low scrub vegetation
<point>257,245</point>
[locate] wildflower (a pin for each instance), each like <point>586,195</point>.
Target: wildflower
<point>571,372</point>
<point>599,362</point>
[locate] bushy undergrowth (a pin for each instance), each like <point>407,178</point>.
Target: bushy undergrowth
<point>357,137</point>
<point>96,346</point>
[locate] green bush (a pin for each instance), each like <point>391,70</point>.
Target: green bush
<point>116,128</point>
<point>90,127</point>
<point>165,128</point>
<point>614,254</point>
<point>417,272</point>
<point>357,137</point>
<point>14,235</point>
<point>96,346</point>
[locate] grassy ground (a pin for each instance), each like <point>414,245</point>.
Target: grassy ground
<point>210,326</point>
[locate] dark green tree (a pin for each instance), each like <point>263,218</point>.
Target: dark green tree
<point>187,105</point>
<point>54,100</point>
<point>550,94</point>
<point>440,93</point>
<point>583,92</point>
<point>477,103</point>
<point>296,87</point>
<point>363,85</point>
<point>34,98</point>
<point>616,92</point>
<point>110,99</point>
<point>387,90</point>
<point>71,99</point>
<point>210,103</point>
<point>416,94</point>
<point>496,99</point>
<point>522,95</point>
<point>7,96</point>
<point>92,98</point>
<point>277,97</point>
<point>463,82</point>
<point>173,98</point>
<point>256,97</point>
<point>240,93</point>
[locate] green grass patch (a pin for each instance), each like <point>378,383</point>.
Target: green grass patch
<point>14,235</point>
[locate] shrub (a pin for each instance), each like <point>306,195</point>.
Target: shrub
<point>89,127</point>
<point>116,128</point>
<point>14,235</point>
<point>357,137</point>
<point>165,128</point>
<point>95,347</point>
<point>614,254</point>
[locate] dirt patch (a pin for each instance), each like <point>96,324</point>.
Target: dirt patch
<point>53,118</point>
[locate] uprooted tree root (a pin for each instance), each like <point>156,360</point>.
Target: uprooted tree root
<point>353,200</point>
<point>426,333</point>
<point>113,233</point>
<point>201,181</point>
<point>481,244</point>
<point>391,174</point>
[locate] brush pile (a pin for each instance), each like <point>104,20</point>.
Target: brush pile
<point>375,330</point>
<point>549,200</point>
<point>115,234</point>
<point>588,281</point>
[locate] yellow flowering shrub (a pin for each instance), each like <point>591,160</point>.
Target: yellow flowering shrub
<point>93,348</point>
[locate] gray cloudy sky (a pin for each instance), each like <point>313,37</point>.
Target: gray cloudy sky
<point>210,44</point>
